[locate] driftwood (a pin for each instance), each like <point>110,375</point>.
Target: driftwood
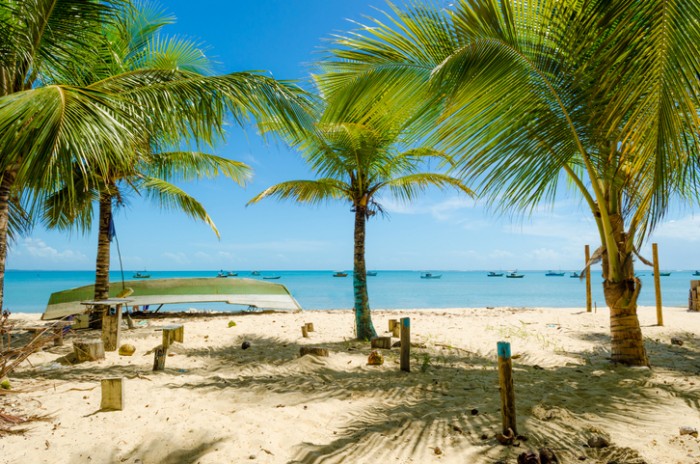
<point>315,350</point>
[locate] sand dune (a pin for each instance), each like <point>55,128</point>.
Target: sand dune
<point>216,402</point>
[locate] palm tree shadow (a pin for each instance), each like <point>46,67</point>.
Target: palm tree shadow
<point>449,402</point>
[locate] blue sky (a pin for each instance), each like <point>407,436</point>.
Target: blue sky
<point>440,231</point>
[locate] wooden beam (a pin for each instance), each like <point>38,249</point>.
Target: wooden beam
<point>111,327</point>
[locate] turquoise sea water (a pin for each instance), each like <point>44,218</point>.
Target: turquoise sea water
<point>28,291</point>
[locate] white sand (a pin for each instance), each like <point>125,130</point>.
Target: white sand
<point>217,403</point>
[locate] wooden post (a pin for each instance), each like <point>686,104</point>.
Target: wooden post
<point>396,331</point>
<point>310,327</point>
<point>88,350</point>
<point>111,327</point>
<point>112,395</point>
<point>381,342</point>
<point>406,344</point>
<point>588,279</point>
<point>314,350</point>
<point>505,382</point>
<point>58,335</point>
<point>657,284</point>
<point>304,331</point>
<point>159,355</point>
<point>392,323</point>
<point>173,333</point>
<point>693,298</point>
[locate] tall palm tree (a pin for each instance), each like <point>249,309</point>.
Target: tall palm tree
<point>603,95</point>
<point>133,44</point>
<point>66,105</point>
<point>356,163</point>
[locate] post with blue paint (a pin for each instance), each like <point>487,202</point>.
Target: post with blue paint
<point>406,344</point>
<point>505,382</point>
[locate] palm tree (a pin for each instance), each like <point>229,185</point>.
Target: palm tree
<point>603,95</point>
<point>356,163</point>
<point>78,95</point>
<point>44,126</point>
<point>133,45</point>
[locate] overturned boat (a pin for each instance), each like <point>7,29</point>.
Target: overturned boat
<point>252,293</point>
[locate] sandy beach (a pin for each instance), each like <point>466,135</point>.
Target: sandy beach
<point>216,402</point>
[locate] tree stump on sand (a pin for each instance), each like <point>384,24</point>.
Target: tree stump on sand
<point>88,350</point>
<point>381,342</point>
<point>315,350</point>
<point>393,323</point>
<point>310,327</point>
<point>159,355</point>
<point>694,297</point>
<point>304,331</point>
<point>112,395</point>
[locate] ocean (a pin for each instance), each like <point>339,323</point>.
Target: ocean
<point>29,291</point>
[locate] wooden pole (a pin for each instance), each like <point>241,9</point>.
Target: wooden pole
<point>88,350</point>
<point>406,344</point>
<point>505,382</point>
<point>111,327</point>
<point>588,279</point>
<point>657,285</point>
<point>159,355</point>
<point>392,323</point>
<point>310,327</point>
<point>112,395</point>
<point>304,331</point>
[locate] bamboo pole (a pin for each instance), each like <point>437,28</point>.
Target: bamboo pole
<point>657,285</point>
<point>505,382</point>
<point>406,344</point>
<point>588,279</point>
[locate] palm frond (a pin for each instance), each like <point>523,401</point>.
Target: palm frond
<point>306,191</point>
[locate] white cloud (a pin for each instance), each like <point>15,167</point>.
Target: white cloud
<point>37,248</point>
<point>686,228</point>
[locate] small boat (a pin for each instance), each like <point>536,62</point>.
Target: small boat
<point>663,274</point>
<point>371,273</point>
<point>554,274</point>
<point>340,274</point>
<point>696,273</point>
<point>255,273</point>
<point>575,275</point>
<point>221,274</point>
<point>141,275</point>
<point>430,275</point>
<point>514,275</point>
<point>231,274</point>
<point>271,277</point>
<point>494,274</point>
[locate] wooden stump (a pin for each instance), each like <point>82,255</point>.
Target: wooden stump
<point>381,342</point>
<point>304,331</point>
<point>396,331</point>
<point>694,297</point>
<point>315,350</point>
<point>173,333</point>
<point>159,355</point>
<point>310,327</point>
<point>393,323</point>
<point>112,395</point>
<point>111,327</point>
<point>88,350</point>
<point>58,335</point>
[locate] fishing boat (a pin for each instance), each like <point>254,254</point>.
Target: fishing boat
<point>255,273</point>
<point>696,273</point>
<point>221,274</point>
<point>430,275</point>
<point>514,275</point>
<point>251,293</point>
<point>494,274</point>
<point>141,275</point>
<point>340,274</point>
<point>575,275</point>
<point>271,277</point>
<point>662,274</point>
<point>371,273</point>
<point>554,274</point>
<point>232,274</point>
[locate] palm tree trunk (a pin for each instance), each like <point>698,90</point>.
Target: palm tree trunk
<point>103,252</point>
<point>621,294</point>
<point>363,317</point>
<point>8,180</point>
